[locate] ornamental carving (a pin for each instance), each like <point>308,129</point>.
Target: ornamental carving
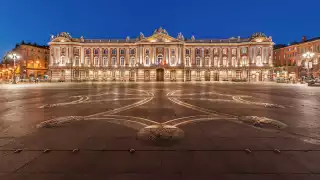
<point>160,30</point>
<point>180,37</point>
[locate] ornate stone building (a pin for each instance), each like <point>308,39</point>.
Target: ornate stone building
<point>161,57</point>
<point>298,60</point>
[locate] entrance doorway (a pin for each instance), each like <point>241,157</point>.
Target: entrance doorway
<point>131,76</point>
<point>173,75</point>
<point>160,74</point>
<point>146,75</point>
<point>207,76</point>
<point>188,75</point>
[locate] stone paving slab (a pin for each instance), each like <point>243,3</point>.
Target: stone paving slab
<point>213,149</point>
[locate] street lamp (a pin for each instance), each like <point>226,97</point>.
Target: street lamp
<point>308,55</point>
<point>14,56</point>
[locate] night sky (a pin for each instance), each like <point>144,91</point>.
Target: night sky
<point>36,20</point>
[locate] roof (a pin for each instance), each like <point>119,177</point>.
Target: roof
<point>161,35</point>
<point>296,43</point>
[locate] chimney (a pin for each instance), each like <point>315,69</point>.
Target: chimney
<point>304,39</point>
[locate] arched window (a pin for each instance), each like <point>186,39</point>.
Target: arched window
<point>197,51</point>
<point>114,51</point>
<point>187,61</point>
<point>147,61</point>
<point>87,51</point>
<point>105,51</point>
<point>147,51</point>
<point>113,61</point>
<point>198,61</point>
<point>215,51</point>
<point>121,61</point>
<point>96,61</point>
<point>243,61</point>
<point>172,51</point>
<point>224,61</point>
<point>173,61</point>
<point>132,61</point>
<point>122,51</point>
<point>132,51</point>
<point>105,61</point>
<point>224,51</point>
<point>159,60</point>
<point>206,52</point>
<point>96,51</point>
<point>187,51</point>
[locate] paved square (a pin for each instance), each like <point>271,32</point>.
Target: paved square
<point>159,131</point>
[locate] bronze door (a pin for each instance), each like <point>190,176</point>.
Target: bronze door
<point>160,75</point>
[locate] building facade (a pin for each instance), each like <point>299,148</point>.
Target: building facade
<point>33,61</point>
<point>161,57</point>
<point>298,60</point>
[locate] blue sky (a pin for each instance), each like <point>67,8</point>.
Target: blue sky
<point>35,20</point>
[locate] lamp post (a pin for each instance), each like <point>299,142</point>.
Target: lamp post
<point>308,56</point>
<point>14,56</point>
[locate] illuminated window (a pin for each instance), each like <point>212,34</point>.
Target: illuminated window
<point>105,61</point>
<point>77,61</point>
<point>121,61</point>
<point>96,61</point>
<point>113,60</point>
<point>198,61</point>
<point>173,60</point>
<point>224,61</point>
<point>132,61</point>
<point>188,61</point>
<point>63,61</point>
<point>147,60</point>
<point>216,61</point>
<point>206,61</point>
<point>88,60</point>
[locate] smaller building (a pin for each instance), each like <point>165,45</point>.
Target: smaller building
<point>297,61</point>
<point>32,63</point>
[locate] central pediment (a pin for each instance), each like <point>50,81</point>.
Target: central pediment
<point>160,38</point>
<point>160,35</point>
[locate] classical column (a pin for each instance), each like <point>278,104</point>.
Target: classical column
<point>118,56</point>
<point>167,55</point>
<point>237,57</point>
<point>220,55</point>
<point>128,56</point>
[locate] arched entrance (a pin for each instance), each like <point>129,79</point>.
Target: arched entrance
<point>160,74</point>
